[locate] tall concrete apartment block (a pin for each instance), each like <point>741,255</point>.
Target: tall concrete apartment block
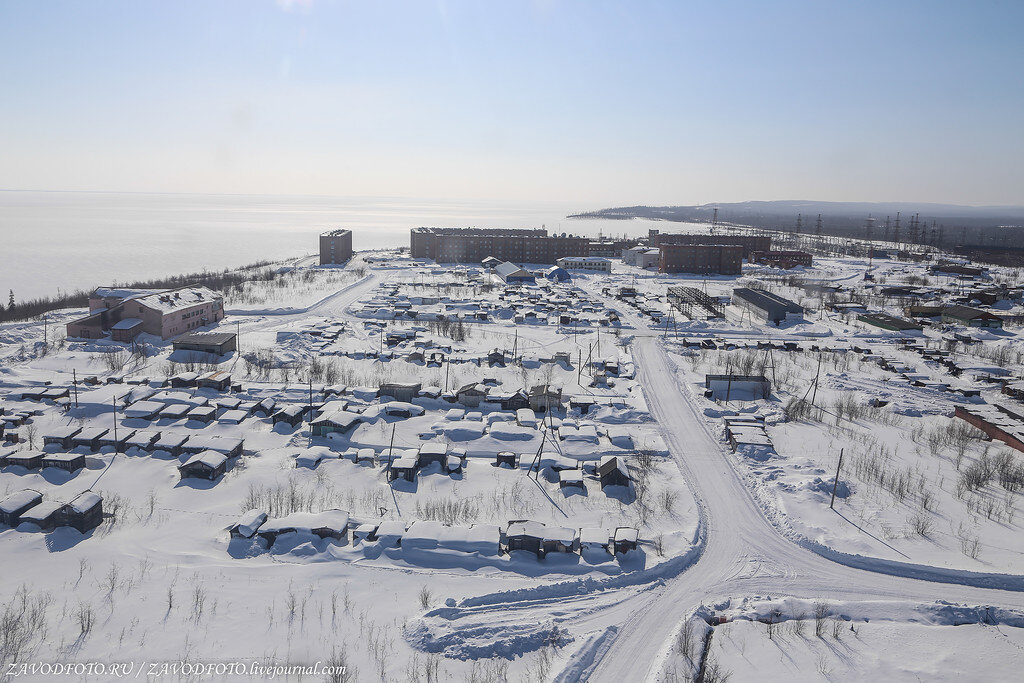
<point>473,245</point>
<point>335,247</point>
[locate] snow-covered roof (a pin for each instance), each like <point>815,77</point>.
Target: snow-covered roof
<point>177,299</point>
<point>126,324</point>
<point>594,536</point>
<point>42,511</point>
<point>85,501</point>
<point>336,520</point>
<point>211,459</point>
<point>249,522</point>
<point>19,499</point>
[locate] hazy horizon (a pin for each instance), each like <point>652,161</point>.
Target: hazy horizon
<point>591,104</point>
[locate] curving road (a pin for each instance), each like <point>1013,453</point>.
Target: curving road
<point>743,554</point>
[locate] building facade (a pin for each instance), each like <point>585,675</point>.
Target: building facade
<point>750,243</point>
<point>473,245</point>
<point>782,259</point>
<point>704,259</point>
<point>163,314</point>
<point>597,263</point>
<point>335,247</point>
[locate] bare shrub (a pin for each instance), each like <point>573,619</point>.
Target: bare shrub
<point>821,611</point>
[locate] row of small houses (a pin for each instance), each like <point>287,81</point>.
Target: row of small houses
<point>425,535</point>
<point>84,512</point>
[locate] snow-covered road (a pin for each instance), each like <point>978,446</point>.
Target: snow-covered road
<point>743,553</point>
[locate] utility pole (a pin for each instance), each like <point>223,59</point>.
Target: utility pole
<point>896,229</point>
<point>817,226</point>
<point>835,484</point>
<point>310,378</point>
<point>113,401</point>
<point>74,375</point>
<point>391,451</point>
<point>447,366</point>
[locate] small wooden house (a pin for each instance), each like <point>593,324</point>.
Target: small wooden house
<point>47,515</point>
<point>471,395</point>
<point>218,380</point>
<point>142,440</point>
<point>335,422</point>
<point>507,458</point>
<point>431,452</point>
<point>84,512</point>
<point>559,540</point>
<point>184,380</point>
<point>170,442</point>
<point>595,539</point>
<point>265,408</point>
<point>291,415</point>
<point>70,462</point>
<point>326,524</point>
<point>13,505</point>
<point>118,443</point>
<point>400,391</point>
<point>228,446</point>
<point>205,414</point>
<point>403,467</point>
<point>89,437</point>
<point>544,396</point>
<point>525,535</point>
<point>515,401</point>
<point>205,465</point>
<point>30,460</point>
<point>612,471</point>
<point>60,436</point>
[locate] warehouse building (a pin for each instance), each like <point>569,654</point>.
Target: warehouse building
<point>782,259</point>
<point>971,317</point>
<point>749,243</point>
<point>767,306</point>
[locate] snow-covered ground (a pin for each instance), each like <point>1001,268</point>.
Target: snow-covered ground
<point>161,578</point>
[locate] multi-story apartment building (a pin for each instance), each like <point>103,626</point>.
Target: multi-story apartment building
<point>704,259</point>
<point>473,245</point>
<point>750,243</point>
<point>335,247</point>
<point>782,259</point>
<point>162,313</point>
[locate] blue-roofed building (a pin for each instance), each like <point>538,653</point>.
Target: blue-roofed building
<point>557,274</point>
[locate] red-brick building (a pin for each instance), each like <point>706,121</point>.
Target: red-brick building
<point>781,259</point>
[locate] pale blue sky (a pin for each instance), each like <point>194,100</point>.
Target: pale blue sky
<point>588,102</point>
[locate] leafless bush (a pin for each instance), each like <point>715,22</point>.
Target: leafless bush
<point>341,670</point>
<point>797,625</point>
<point>820,615</point>
<point>921,524</point>
<point>685,640</point>
<point>85,617</point>
<point>449,510</point>
<point>425,597</point>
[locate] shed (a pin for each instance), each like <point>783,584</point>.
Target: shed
<point>515,401</point>
<point>204,465</point>
<point>327,524</point>
<point>30,460</point>
<point>400,391</point>
<point>118,443</point>
<point>229,446</point>
<point>971,317</point>
<point>543,396</point>
<point>595,539</point>
<point>389,533</point>
<point>248,524</point>
<point>265,408</point>
<point>291,415</point>
<point>170,442</point>
<point>612,471</point>
<point>184,380</point>
<point>84,512</point>
<point>205,414</point>
<point>525,535</point>
<point>433,451</point>
<point>454,464</point>
<point>335,422</point>
<point>218,380</point>
<point>217,343</point>
<point>625,539</point>
<point>507,458</point>
<point>174,411</point>
<point>404,466</point>
<point>70,462</point>
<point>232,417</point>
<point>46,515</point>
<point>60,436</point>
<point>571,479</point>
<point>13,505</point>
<point>471,395</point>
<point>143,410</point>
<point>559,540</point>
<point>142,440</point>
